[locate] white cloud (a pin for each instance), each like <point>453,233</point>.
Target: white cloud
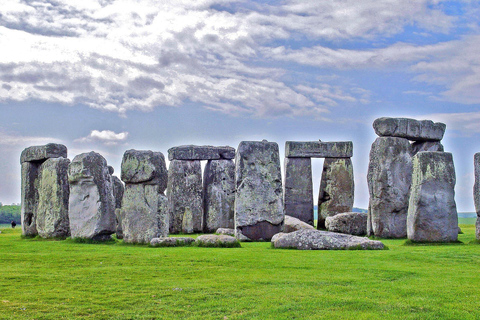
<point>16,140</point>
<point>105,136</point>
<point>140,54</point>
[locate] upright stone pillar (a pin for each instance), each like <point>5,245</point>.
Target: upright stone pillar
<point>389,179</point>
<point>476,192</point>
<point>298,189</point>
<point>53,190</point>
<point>144,212</point>
<point>432,212</point>
<point>259,212</point>
<point>219,194</point>
<point>31,160</point>
<point>91,202</point>
<point>337,189</point>
<point>118,190</point>
<point>185,196</point>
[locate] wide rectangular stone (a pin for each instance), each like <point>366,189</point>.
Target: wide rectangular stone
<point>411,129</point>
<point>192,152</point>
<point>42,153</point>
<point>318,149</point>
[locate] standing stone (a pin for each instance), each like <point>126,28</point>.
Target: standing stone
<point>144,210</point>
<point>29,199</point>
<point>144,213</point>
<point>91,203</point>
<point>389,180</point>
<point>53,190</point>
<point>219,194</point>
<point>118,190</point>
<point>336,189</point>
<point>185,196</point>
<point>298,189</point>
<point>476,191</point>
<point>432,212</point>
<point>259,211</point>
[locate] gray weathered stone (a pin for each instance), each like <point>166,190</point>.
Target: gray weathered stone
<point>476,191</point>
<point>144,166</point>
<point>118,190</point>
<point>219,194</point>
<point>144,213</point>
<point>53,194</point>
<point>259,212</point>
<point>111,170</point>
<point>91,202</point>
<point>292,224</point>
<point>29,194</point>
<point>318,149</point>
<point>42,153</point>
<point>389,180</point>
<point>411,129</point>
<point>185,195</point>
<point>214,240</point>
<point>298,189</point>
<point>191,152</point>
<point>324,240</point>
<point>171,242</point>
<point>354,223</point>
<point>278,235</point>
<point>226,231</point>
<point>419,146</point>
<point>432,212</point>
<point>336,193</point>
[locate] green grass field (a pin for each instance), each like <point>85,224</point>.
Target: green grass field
<point>42,279</point>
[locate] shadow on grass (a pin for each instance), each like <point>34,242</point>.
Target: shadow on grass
<point>38,238</point>
<point>415,243</point>
<point>91,241</point>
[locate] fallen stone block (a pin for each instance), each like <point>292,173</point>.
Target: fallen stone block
<point>171,242</point>
<point>324,240</point>
<point>354,223</point>
<point>292,224</point>
<point>217,241</point>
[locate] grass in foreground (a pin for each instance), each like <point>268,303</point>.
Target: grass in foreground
<point>66,279</point>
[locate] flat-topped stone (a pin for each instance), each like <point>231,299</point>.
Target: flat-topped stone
<point>324,240</point>
<point>144,166</point>
<point>411,129</point>
<point>318,149</point>
<point>42,153</point>
<point>349,222</point>
<point>171,241</point>
<point>214,240</point>
<point>192,152</point>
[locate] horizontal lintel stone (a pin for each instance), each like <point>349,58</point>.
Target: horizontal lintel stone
<point>192,152</point>
<point>42,153</point>
<point>318,149</point>
<point>411,129</point>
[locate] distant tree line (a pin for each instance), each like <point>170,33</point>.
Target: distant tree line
<point>9,213</point>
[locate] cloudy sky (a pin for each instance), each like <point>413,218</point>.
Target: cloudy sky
<point>110,75</point>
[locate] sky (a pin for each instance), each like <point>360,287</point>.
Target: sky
<point>108,76</point>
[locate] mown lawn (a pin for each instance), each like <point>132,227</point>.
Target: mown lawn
<point>62,279</point>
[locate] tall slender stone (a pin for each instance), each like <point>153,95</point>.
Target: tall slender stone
<point>259,212</point>
<point>432,212</point>
<point>298,189</point>
<point>336,189</point>
<point>53,190</point>
<point>389,179</point>
<point>91,202</point>
<point>185,196</point>
<point>476,191</point>
<point>144,211</point>
<point>219,194</point>
<point>29,199</point>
